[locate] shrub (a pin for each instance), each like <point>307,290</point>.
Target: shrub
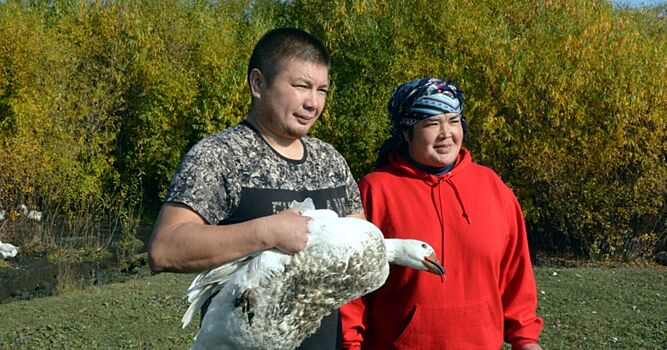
<point>565,100</point>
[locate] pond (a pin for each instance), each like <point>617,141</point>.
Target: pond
<point>28,277</point>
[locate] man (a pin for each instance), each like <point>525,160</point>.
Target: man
<point>230,195</point>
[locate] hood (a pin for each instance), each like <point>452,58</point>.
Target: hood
<point>404,166</point>
<point>463,163</point>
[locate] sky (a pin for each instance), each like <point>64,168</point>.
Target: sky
<point>639,3</point>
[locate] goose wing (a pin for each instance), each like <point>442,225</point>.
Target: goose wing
<point>208,283</point>
<point>235,277</point>
<point>239,275</point>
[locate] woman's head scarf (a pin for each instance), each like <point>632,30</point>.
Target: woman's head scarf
<point>422,98</point>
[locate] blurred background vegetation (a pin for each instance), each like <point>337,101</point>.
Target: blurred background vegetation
<point>566,100</point>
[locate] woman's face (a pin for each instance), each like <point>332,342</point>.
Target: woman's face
<point>436,140</point>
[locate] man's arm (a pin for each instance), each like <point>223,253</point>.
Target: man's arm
<point>182,241</point>
<point>358,216</point>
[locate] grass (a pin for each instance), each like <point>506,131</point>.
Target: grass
<point>603,308</point>
<point>583,308</point>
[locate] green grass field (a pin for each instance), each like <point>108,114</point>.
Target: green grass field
<point>583,308</point>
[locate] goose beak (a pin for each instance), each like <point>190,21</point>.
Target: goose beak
<point>433,265</point>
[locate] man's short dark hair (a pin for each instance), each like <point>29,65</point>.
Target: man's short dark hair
<point>280,45</point>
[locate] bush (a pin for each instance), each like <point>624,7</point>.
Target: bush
<point>565,100</point>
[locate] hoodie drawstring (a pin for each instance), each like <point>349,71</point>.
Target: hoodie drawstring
<point>441,218</point>
<point>437,202</point>
<point>458,197</point>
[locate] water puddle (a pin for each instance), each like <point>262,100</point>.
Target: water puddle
<point>28,277</point>
<point>32,277</point>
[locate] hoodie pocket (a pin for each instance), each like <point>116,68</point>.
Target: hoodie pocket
<point>471,326</point>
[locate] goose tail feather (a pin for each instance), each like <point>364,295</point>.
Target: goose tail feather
<point>208,283</point>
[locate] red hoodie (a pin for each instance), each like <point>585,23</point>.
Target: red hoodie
<point>475,224</point>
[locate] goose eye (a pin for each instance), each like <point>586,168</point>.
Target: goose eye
<point>424,245</point>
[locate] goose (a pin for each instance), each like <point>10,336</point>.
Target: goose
<point>32,214</point>
<point>272,300</point>
<point>8,250</point>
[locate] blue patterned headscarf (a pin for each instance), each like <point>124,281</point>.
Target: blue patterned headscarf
<point>422,98</point>
<point>415,101</point>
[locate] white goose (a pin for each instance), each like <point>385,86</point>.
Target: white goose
<point>273,300</point>
<point>8,250</point>
<point>32,214</point>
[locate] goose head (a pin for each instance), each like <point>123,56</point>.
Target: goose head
<point>413,253</point>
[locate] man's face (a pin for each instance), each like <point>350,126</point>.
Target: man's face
<point>436,141</point>
<point>293,101</point>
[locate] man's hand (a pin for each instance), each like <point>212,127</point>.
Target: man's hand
<point>288,231</point>
<point>533,346</point>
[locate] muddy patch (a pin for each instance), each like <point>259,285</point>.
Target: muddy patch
<point>33,277</point>
<point>28,277</point>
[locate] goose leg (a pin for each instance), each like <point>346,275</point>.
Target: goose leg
<point>247,303</point>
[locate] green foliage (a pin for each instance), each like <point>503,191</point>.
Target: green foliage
<point>185,81</point>
<point>584,118</point>
<point>69,255</point>
<point>565,100</point>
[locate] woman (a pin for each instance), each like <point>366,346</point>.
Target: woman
<point>425,186</point>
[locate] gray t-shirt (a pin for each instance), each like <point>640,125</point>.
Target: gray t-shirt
<point>235,176</point>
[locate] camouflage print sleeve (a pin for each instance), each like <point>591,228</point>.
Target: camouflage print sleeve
<point>200,183</point>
